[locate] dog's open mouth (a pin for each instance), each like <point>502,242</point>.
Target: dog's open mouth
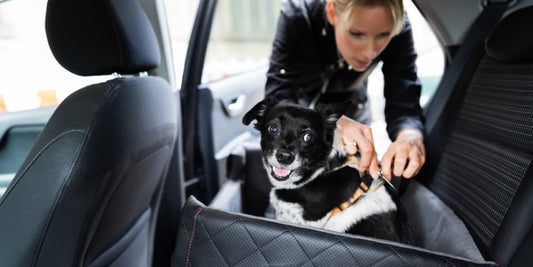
<point>280,174</point>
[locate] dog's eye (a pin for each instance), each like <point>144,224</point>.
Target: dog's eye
<point>273,129</point>
<point>308,137</point>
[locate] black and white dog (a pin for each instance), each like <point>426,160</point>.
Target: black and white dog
<point>312,184</point>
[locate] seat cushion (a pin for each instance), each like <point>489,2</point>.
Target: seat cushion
<point>435,226</point>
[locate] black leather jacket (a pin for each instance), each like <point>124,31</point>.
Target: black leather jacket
<point>304,56</point>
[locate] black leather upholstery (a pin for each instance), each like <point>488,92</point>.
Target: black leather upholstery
<point>210,237</point>
<point>89,190</point>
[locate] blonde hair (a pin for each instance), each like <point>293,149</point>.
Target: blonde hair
<point>345,7</point>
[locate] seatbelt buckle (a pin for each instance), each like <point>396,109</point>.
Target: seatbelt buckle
<point>385,180</point>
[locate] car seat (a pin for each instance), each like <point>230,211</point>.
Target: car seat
<point>89,190</point>
<point>471,207</point>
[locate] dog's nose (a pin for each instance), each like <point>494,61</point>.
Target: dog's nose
<point>285,156</point>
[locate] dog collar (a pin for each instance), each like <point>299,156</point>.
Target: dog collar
<point>363,187</point>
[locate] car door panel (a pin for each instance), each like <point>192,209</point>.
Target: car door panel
<point>233,96</point>
<point>223,103</point>
<point>18,132</point>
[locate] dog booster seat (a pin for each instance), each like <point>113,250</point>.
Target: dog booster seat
<point>474,209</point>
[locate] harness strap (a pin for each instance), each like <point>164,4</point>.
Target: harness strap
<point>363,187</point>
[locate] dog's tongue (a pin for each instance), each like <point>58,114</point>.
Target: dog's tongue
<point>281,172</point>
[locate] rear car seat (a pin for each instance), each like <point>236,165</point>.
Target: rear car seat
<point>485,173</point>
<point>477,210</point>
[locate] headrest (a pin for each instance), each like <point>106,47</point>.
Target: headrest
<point>511,41</point>
<point>98,37</point>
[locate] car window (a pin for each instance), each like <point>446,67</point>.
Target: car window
<point>430,61</point>
<point>30,77</point>
<point>180,15</point>
<point>430,64</point>
<point>241,37</point>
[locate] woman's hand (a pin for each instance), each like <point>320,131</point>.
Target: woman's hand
<point>405,156</point>
<point>359,136</point>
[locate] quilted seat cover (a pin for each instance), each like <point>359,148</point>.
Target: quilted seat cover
<point>211,237</point>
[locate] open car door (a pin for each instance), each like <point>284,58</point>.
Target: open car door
<point>238,41</point>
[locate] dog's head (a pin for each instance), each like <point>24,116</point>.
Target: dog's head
<point>296,142</point>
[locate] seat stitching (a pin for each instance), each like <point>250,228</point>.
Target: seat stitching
<point>192,235</point>
<point>338,241</point>
<point>61,189</point>
<point>255,243</point>
<point>23,172</point>
<point>300,245</point>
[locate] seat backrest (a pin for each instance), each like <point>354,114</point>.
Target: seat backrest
<point>89,190</point>
<point>485,173</point>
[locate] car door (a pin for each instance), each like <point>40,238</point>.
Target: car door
<point>223,77</point>
<point>18,131</point>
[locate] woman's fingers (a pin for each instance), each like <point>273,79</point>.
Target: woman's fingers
<point>405,157</point>
<point>416,161</point>
<point>386,162</point>
<point>358,137</point>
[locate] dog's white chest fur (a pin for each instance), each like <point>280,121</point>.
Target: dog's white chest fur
<point>376,201</point>
<point>292,212</point>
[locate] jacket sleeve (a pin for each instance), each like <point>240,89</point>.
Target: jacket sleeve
<point>285,68</point>
<point>402,86</point>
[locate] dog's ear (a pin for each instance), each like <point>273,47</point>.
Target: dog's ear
<point>257,112</point>
<point>333,112</point>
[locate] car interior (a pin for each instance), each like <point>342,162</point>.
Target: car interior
<point>145,170</point>
<point>466,207</point>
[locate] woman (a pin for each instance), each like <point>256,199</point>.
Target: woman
<point>323,53</point>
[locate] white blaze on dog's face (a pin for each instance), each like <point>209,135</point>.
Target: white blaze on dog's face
<point>296,142</point>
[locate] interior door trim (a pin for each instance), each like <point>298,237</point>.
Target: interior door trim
<point>192,75</point>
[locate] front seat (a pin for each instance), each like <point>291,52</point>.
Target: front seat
<point>88,192</point>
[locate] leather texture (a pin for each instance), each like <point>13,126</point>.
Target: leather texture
<point>211,237</point>
<point>88,193</point>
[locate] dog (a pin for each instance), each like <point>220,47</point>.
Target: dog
<point>314,181</point>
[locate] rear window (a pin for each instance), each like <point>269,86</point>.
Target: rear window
<point>430,64</point>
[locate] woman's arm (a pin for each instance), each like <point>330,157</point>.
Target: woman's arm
<point>403,113</point>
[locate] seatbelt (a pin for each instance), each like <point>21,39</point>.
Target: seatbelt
<point>475,38</point>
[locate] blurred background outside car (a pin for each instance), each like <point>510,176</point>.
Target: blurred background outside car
<point>241,40</point>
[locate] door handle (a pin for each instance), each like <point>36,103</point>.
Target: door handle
<point>235,105</point>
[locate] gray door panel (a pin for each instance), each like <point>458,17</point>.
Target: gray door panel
<point>232,97</point>
<point>18,132</point>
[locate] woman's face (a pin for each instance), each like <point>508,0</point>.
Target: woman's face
<point>368,31</point>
